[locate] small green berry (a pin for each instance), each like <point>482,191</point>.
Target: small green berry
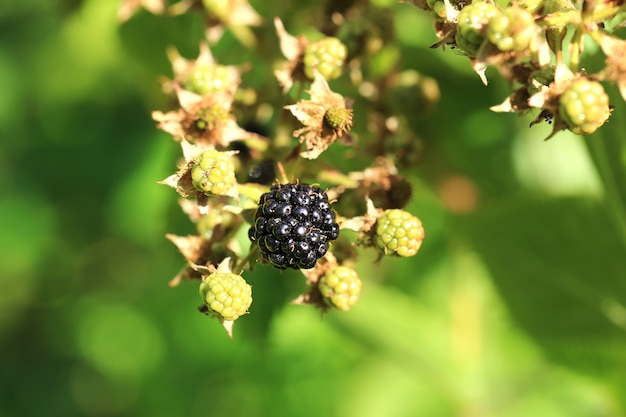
<point>208,78</point>
<point>439,9</point>
<point>512,30</point>
<point>340,287</point>
<point>584,106</point>
<point>472,26</point>
<point>213,172</point>
<point>398,232</point>
<point>338,118</point>
<point>227,295</point>
<point>327,55</point>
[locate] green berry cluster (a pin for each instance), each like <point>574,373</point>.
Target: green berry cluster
<point>529,42</point>
<point>207,78</point>
<point>512,29</point>
<point>340,287</point>
<point>472,26</point>
<point>398,232</point>
<point>327,56</point>
<point>584,106</point>
<point>338,118</point>
<point>227,296</point>
<point>213,172</point>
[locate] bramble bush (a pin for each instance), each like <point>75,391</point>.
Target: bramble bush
<point>254,176</point>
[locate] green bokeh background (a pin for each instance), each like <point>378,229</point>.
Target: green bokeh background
<point>515,309</point>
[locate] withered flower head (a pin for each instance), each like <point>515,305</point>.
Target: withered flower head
<point>204,120</point>
<point>326,117</point>
<point>203,76</point>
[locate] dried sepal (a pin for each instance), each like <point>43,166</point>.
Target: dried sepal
<point>615,51</point>
<point>361,224</point>
<point>202,254</point>
<point>293,49</point>
<point>326,117</point>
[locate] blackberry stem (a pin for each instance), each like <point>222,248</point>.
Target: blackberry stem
<point>240,266</point>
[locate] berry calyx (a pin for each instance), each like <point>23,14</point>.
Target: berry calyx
<point>213,172</point>
<point>398,232</point>
<point>293,226</point>
<point>472,26</point>
<point>327,56</point>
<point>227,296</point>
<point>340,287</point>
<point>584,106</point>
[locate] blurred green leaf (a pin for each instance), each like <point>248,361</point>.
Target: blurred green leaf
<point>559,265</point>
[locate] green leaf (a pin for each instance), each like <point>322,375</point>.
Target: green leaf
<point>559,265</point>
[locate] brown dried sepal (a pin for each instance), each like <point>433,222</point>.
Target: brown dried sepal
<point>293,48</point>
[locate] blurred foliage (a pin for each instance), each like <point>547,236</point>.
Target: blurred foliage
<point>515,306</point>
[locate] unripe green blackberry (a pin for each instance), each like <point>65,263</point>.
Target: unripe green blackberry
<point>207,78</point>
<point>584,106</point>
<point>227,295</point>
<point>340,287</point>
<point>472,26</point>
<point>398,232</point>
<point>213,172</point>
<point>512,30</point>
<point>438,7</point>
<point>338,118</point>
<point>327,55</point>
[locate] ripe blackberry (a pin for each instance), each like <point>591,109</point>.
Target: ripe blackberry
<point>340,287</point>
<point>398,232</point>
<point>226,295</point>
<point>293,226</point>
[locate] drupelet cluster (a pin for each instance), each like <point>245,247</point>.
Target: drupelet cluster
<point>293,226</point>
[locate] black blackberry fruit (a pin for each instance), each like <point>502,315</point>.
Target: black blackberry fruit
<point>293,226</point>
